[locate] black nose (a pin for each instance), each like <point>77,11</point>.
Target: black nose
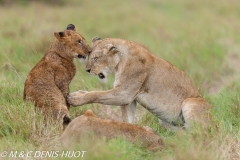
<point>80,56</point>
<point>88,70</point>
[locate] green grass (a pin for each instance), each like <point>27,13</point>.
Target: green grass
<point>196,36</point>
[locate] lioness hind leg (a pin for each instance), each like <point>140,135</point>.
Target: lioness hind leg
<point>196,110</point>
<point>128,112</point>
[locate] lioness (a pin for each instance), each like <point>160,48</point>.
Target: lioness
<point>89,124</point>
<point>47,84</point>
<point>141,77</point>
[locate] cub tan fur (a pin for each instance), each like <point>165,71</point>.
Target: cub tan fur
<point>47,84</point>
<point>141,77</point>
<point>90,125</point>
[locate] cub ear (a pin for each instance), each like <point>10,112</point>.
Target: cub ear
<point>95,39</point>
<point>71,27</point>
<point>59,35</point>
<point>89,112</point>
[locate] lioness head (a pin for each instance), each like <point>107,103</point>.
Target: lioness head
<point>103,59</point>
<point>74,43</point>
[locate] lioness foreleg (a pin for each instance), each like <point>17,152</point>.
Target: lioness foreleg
<point>115,96</point>
<point>128,112</point>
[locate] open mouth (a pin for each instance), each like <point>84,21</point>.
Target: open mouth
<point>81,56</point>
<point>101,76</point>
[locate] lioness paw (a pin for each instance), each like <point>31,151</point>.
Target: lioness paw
<point>77,98</point>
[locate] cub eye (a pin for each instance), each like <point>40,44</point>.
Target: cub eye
<point>79,41</point>
<point>95,58</point>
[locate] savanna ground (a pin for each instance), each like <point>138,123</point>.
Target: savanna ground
<point>200,37</point>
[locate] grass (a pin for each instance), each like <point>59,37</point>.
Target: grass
<point>196,36</point>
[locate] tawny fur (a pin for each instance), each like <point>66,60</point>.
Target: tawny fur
<point>90,125</point>
<point>47,84</point>
<point>141,77</point>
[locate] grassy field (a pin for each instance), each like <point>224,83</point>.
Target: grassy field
<point>199,37</point>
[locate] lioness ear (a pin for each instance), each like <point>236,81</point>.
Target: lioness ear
<point>71,27</point>
<point>59,35</point>
<point>111,50</point>
<point>95,39</point>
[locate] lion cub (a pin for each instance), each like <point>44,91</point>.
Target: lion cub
<point>89,124</point>
<point>47,84</point>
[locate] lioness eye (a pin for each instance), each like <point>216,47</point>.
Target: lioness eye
<point>79,41</point>
<point>95,58</point>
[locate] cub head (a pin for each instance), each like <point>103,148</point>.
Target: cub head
<point>103,59</point>
<point>74,44</point>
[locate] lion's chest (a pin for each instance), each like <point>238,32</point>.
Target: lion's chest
<point>63,76</point>
<point>62,79</point>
